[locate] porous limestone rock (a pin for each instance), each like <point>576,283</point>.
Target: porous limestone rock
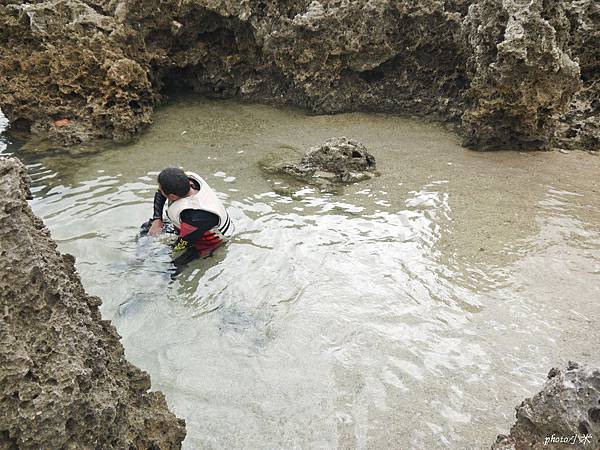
<point>64,380</point>
<point>337,160</point>
<point>579,126</point>
<point>565,414</point>
<point>78,70</point>
<point>521,73</point>
<point>75,71</point>
<point>66,76</point>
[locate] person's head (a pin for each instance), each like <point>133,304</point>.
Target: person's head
<point>173,182</point>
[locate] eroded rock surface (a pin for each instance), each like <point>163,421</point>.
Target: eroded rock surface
<point>337,160</point>
<point>67,74</point>
<point>579,126</point>
<point>79,70</point>
<point>521,73</point>
<point>64,381</point>
<point>567,408</point>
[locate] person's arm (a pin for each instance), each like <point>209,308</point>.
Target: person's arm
<point>157,223</point>
<point>194,224</point>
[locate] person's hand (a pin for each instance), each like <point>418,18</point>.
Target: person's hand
<point>156,227</point>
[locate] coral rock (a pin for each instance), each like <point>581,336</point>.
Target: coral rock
<point>509,69</point>
<point>565,414</point>
<point>521,74</point>
<point>64,380</point>
<point>336,160</point>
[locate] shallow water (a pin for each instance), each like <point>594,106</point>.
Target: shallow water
<point>414,310</point>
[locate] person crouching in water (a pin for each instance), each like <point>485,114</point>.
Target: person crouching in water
<point>200,219</point>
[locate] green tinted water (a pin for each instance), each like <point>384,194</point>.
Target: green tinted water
<point>414,310</point>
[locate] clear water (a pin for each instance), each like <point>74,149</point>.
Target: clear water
<point>415,310</point>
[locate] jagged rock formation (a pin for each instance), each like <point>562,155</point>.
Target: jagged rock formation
<point>521,74</point>
<point>337,160</point>
<point>77,70</point>
<point>579,126</point>
<point>565,414</point>
<point>64,381</point>
<point>67,72</point>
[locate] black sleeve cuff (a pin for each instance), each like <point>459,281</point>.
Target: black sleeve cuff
<point>159,203</point>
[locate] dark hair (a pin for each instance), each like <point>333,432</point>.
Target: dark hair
<point>173,180</point>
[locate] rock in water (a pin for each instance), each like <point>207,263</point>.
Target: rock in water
<point>64,379</point>
<point>340,155</point>
<point>565,414</point>
<point>340,160</point>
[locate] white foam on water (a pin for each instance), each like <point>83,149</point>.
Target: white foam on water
<point>3,127</point>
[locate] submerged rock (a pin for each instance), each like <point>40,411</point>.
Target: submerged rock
<point>64,379</point>
<point>78,70</point>
<point>337,160</point>
<point>565,414</point>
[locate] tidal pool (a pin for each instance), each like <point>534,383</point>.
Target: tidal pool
<point>415,310</point>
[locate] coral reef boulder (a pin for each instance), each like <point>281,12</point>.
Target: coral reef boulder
<point>521,73</point>
<point>66,76</point>
<point>579,126</point>
<point>517,73</point>
<point>337,160</point>
<point>339,156</point>
<point>64,379</point>
<point>565,414</point>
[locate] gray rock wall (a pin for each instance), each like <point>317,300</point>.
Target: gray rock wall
<point>521,73</point>
<point>579,125</point>
<point>513,72</point>
<point>64,381</point>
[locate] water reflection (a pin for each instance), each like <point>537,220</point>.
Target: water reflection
<point>414,310</point>
<point>3,127</point>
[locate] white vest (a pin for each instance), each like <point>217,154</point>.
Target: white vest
<point>205,200</point>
